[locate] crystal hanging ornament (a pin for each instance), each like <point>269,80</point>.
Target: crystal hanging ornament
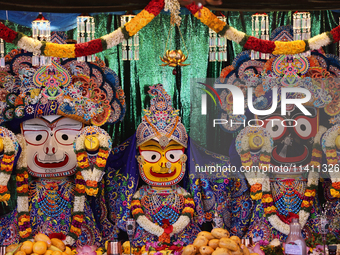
<point>130,47</point>
<point>2,53</point>
<point>260,29</point>
<point>302,28</point>
<point>41,31</point>
<point>86,29</point>
<point>217,44</point>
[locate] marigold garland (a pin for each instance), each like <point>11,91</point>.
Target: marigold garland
<point>6,164</point>
<point>92,177</point>
<point>146,16</point>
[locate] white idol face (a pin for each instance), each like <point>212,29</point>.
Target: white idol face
<point>49,142</point>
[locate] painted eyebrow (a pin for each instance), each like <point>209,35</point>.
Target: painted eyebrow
<point>35,125</point>
<point>174,145</point>
<point>69,125</point>
<point>151,145</point>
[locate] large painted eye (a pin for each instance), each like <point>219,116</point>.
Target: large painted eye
<point>274,127</point>
<point>66,136</point>
<point>173,155</point>
<point>36,137</point>
<point>303,127</point>
<point>151,156</point>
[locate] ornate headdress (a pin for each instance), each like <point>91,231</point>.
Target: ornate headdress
<point>161,121</point>
<point>87,92</point>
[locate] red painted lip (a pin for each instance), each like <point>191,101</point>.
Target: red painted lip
<point>162,175</point>
<point>51,165</point>
<point>289,159</point>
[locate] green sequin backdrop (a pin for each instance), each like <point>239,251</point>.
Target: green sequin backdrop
<point>136,76</point>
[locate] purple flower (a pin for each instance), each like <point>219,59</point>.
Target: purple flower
<point>264,242</point>
<point>158,253</point>
<point>86,250</point>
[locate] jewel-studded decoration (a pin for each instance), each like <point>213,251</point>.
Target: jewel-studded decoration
<point>87,92</point>
<point>161,120</point>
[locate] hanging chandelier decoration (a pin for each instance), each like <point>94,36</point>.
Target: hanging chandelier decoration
<point>217,44</point>
<point>41,31</point>
<point>174,58</point>
<point>302,27</point>
<point>2,53</point>
<point>130,47</point>
<point>86,29</point>
<point>260,29</point>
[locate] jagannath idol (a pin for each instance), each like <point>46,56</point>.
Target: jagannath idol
<point>300,146</point>
<point>169,204</point>
<point>58,162</point>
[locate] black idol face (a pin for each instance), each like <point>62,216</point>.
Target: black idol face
<point>293,139</point>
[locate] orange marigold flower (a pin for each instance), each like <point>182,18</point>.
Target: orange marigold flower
<point>256,187</point>
<point>336,185</point>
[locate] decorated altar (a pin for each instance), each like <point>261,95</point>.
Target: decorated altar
<point>176,131</point>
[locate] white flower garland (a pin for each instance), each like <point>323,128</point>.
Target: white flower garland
<point>180,224</point>
<point>329,141</point>
<point>149,226</point>
<point>234,35</point>
<point>175,9</point>
<point>30,44</point>
<point>114,38</point>
<point>318,41</point>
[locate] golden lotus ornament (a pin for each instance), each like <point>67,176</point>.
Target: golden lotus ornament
<point>174,58</point>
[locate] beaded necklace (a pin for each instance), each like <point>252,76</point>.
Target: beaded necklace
<point>288,195</point>
<point>53,197</point>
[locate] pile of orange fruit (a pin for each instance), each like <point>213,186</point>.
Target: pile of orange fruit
<point>42,245</point>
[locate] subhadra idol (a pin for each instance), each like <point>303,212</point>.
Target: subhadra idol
<point>162,209</point>
<point>60,161</point>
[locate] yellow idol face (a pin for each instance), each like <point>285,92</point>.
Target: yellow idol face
<point>161,166</point>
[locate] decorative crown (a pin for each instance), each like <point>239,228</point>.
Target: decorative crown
<point>161,121</point>
<point>87,92</point>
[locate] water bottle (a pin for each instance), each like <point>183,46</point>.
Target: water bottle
<point>295,244</point>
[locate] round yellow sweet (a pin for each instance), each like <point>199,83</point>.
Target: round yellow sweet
<point>27,247</point>
<point>91,143</point>
<point>1,145</point>
<point>337,142</point>
<point>256,141</point>
<point>40,247</point>
<point>20,253</point>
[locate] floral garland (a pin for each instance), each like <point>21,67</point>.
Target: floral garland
<point>92,177</point>
<point>6,164</point>
<point>84,49</point>
<point>332,159</point>
<point>255,179</point>
<point>147,15</point>
<point>164,233</point>
<point>269,208</point>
